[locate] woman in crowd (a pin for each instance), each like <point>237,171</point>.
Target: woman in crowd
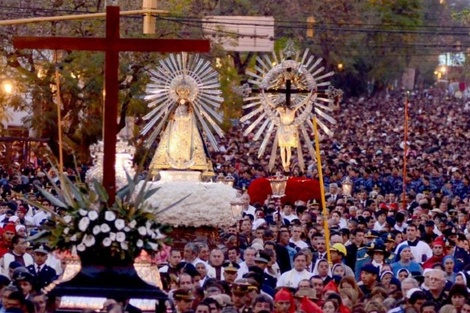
<point>403,260</point>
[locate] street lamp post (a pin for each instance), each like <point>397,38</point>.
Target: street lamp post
<point>347,187</point>
<point>278,187</point>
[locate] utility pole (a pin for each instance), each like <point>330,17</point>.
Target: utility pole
<point>310,25</point>
<point>150,21</point>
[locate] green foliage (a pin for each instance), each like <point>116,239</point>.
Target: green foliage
<point>94,229</point>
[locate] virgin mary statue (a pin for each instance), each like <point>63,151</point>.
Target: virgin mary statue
<point>181,146</point>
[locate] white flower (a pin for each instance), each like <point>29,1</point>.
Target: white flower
<point>126,229</point>
<point>120,224</point>
<point>112,236</point>
<point>142,230</point>
<point>124,245</point>
<point>96,230</point>
<point>82,212</point>
<point>148,224</point>
<point>81,247</point>
<point>107,242</point>
<point>120,236</point>
<point>109,216</point>
<point>66,230</point>
<point>73,238</point>
<point>160,235</point>
<point>67,219</point>
<point>105,228</point>
<point>92,215</point>
<point>83,224</point>
<point>153,245</point>
<point>140,243</point>
<point>88,240</point>
<point>132,223</point>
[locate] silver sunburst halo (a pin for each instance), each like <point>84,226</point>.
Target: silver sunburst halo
<point>270,114</point>
<point>189,77</point>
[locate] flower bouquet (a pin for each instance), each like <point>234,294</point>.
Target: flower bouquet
<point>99,233</point>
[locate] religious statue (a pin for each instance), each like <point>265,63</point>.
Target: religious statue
<point>288,95</point>
<point>287,134</point>
<point>185,97</point>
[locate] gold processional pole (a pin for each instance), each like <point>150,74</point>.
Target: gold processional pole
<point>59,118</point>
<point>405,152</point>
<point>322,191</point>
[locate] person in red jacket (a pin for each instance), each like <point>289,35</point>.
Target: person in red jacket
<point>438,253</point>
<point>7,233</point>
<point>284,301</point>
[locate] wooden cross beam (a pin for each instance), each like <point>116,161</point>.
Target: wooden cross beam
<point>112,44</point>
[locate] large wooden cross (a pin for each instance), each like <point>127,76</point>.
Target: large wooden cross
<point>112,44</point>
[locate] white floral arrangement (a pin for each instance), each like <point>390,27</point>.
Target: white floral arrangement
<point>90,227</point>
<point>203,204</point>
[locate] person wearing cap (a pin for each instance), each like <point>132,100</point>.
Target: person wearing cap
<point>419,249</point>
<point>429,235</point>
<point>9,231</point>
<point>262,261</point>
<point>305,301</point>
<point>292,278</point>
<point>23,280</point>
<point>230,271</point>
<point>369,274</point>
<point>43,273</point>
<point>240,290</point>
<point>338,253</point>
<point>284,301</point>
<point>183,300</point>
<point>389,242</point>
<point>376,254</point>
<point>17,253</point>
<point>369,236</point>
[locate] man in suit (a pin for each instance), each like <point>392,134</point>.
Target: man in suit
<point>43,273</point>
<point>333,195</point>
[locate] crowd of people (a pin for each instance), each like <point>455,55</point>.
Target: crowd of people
<point>397,244</point>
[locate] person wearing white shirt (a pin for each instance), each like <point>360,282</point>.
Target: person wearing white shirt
<point>173,260</point>
<point>287,213</point>
<point>216,260</point>
<point>292,278</point>
<point>381,220</point>
<point>18,254</point>
<point>190,253</point>
<point>400,224</point>
<point>295,238</point>
<point>41,215</point>
<point>421,250</point>
<point>249,257</point>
